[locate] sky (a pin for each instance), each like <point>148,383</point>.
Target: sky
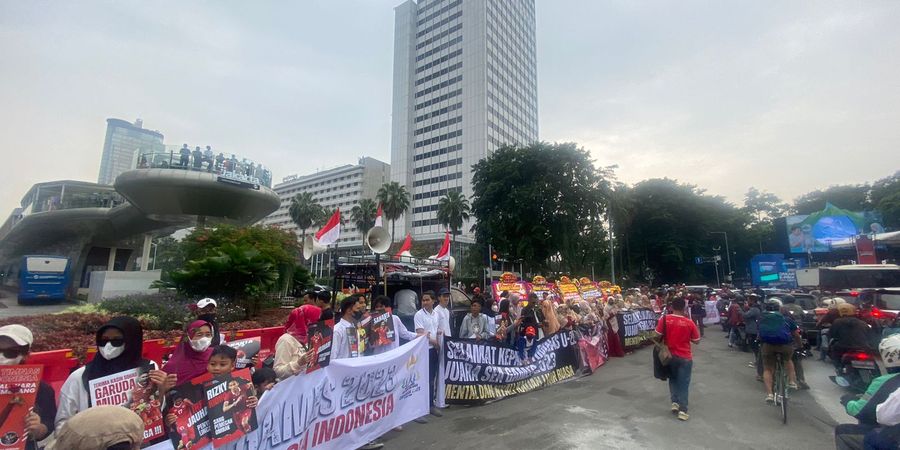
<point>784,96</point>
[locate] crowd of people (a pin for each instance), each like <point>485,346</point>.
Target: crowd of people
<point>207,161</point>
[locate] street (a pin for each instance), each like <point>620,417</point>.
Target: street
<point>623,406</point>
<point>9,307</point>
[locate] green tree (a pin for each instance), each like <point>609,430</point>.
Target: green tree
<point>363,215</point>
<point>763,208</point>
<point>167,256</point>
<point>538,201</point>
<point>394,199</point>
<point>305,212</point>
<point>885,197</point>
<point>453,211</point>
<point>237,273</point>
<point>852,197</point>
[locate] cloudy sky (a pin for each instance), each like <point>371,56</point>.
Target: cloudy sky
<point>786,96</point>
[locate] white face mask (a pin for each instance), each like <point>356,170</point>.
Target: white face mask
<point>4,361</point>
<point>110,351</point>
<point>201,344</point>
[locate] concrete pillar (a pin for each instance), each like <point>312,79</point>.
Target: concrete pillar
<point>111,262</point>
<point>145,252</point>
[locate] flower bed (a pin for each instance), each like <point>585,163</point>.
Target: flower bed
<point>76,330</point>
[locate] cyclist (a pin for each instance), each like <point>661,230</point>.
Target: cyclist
<point>778,335</point>
<point>795,312</point>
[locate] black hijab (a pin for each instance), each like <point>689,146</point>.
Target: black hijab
<point>130,357</point>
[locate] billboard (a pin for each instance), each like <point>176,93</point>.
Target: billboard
<point>815,232</point>
<point>775,270</point>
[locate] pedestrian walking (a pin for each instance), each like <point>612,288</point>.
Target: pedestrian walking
<point>678,332</point>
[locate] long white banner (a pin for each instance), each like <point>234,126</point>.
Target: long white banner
<point>344,405</point>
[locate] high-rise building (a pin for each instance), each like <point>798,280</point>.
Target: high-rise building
<point>465,84</point>
<point>124,140</point>
<point>342,187</point>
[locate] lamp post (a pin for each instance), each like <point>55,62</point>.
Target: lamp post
<point>727,253</point>
<point>716,264</point>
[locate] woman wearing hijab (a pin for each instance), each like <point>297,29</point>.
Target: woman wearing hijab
<point>119,346</point>
<point>291,351</point>
<point>192,354</point>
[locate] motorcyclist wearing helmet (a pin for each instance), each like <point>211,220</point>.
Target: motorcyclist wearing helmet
<point>863,408</point>
<point>848,332</point>
<point>778,335</point>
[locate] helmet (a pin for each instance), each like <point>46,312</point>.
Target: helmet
<point>788,299</point>
<point>890,351</point>
<point>832,303</point>
<point>846,310</point>
<point>773,304</point>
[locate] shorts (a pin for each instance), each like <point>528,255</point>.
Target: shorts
<point>770,350</point>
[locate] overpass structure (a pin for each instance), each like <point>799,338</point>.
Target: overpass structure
<point>106,228</point>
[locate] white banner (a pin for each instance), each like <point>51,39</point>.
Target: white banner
<point>344,405</point>
<point>712,313</point>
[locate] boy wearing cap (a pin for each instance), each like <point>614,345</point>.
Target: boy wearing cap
<point>15,344</point>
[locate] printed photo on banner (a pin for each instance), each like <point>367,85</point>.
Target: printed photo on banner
<point>228,414</point>
<point>18,392</point>
<point>319,346</point>
<point>476,371</point>
<point>381,329</point>
<point>246,350</point>
<point>187,402</point>
<point>132,389</point>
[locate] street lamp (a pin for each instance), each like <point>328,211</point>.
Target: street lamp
<point>727,252</point>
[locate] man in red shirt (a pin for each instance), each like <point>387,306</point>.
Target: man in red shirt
<point>678,333</point>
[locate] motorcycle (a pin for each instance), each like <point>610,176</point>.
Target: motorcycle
<point>857,369</point>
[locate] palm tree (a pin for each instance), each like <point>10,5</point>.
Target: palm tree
<point>363,215</point>
<point>453,210</point>
<point>305,212</point>
<point>394,200</point>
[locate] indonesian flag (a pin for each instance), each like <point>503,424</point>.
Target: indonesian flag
<point>331,232</point>
<point>378,220</point>
<point>407,244</point>
<point>444,254</point>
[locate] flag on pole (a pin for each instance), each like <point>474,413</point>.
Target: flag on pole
<point>444,254</point>
<point>407,244</point>
<point>331,232</point>
<point>378,219</point>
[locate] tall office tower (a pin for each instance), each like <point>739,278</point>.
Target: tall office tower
<point>124,141</point>
<point>465,84</point>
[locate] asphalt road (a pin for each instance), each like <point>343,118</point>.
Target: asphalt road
<point>623,406</point>
<point>9,307</point>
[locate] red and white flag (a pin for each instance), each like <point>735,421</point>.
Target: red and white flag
<point>407,244</point>
<point>444,254</point>
<point>378,219</point>
<point>331,232</point>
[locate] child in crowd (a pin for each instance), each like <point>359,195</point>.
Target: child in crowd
<point>525,345</point>
<point>264,379</point>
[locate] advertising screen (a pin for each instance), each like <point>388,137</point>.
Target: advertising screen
<point>815,232</point>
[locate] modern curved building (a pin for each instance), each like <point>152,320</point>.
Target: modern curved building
<point>105,228</point>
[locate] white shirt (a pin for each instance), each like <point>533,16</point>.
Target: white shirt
<point>400,331</point>
<point>428,321</point>
<point>444,322</point>
<point>888,412</point>
<point>340,342</point>
<point>73,397</point>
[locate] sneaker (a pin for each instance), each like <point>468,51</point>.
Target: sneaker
<point>793,386</point>
<point>683,416</point>
<point>751,364</point>
<point>436,412</point>
<point>372,446</point>
<point>770,398</point>
<point>420,420</point>
<point>675,408</point>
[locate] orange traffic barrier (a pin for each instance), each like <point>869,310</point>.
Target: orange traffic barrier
<point>58,364</point>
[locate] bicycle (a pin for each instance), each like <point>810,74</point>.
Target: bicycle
<point>780,380</point>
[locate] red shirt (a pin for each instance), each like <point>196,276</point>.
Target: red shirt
<point>679,331</point>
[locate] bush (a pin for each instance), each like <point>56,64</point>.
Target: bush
<point>164,311</point>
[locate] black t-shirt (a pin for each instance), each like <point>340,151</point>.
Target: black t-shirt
<point>45,407</point>
<point>327,314</point>
<point>849,332</point>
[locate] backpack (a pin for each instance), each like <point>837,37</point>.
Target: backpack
<point>774,329</point>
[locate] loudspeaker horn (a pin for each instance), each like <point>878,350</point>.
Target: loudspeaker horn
<point>312,247</point>
<point>452,263</point>
<point>378,239</point>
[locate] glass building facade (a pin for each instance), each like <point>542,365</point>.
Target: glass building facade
<point>465,84</point>
<point>124,140</point>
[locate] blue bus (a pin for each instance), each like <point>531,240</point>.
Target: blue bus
<point>43,277</point>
